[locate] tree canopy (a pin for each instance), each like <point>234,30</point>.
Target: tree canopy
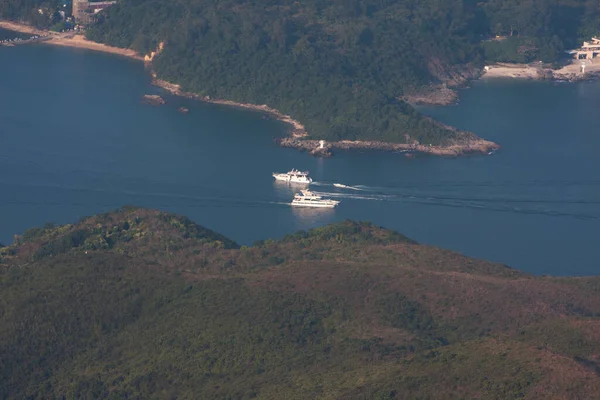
<point>144,304</point>
<point>340,67</point>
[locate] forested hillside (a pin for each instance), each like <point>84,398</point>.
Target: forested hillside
<point>338,67</point>
<point>144,304</point>
<point>28,11</point>
<point>341,66</point>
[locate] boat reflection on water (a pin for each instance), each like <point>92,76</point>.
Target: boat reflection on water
<point>308,216</point>
<point>286,190</point>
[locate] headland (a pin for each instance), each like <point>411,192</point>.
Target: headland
<point>464,143</point>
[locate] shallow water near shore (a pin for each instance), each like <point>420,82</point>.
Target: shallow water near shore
<point>76,140</point>
<point>6,34</point>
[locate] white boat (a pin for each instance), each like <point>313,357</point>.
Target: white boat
<point>293,176</point>
<point>306,198</point>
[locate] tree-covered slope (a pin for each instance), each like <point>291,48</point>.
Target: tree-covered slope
<point>338,67</point>
<point>164,308</point>
<point>39,13</point>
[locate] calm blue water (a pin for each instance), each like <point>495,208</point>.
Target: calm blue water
<point>6,34</point>
<point>75,140</point>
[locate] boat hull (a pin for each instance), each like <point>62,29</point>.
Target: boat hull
<point>286,178</point>
<point>313,205</point>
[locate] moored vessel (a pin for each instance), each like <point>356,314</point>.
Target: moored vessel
<point>306,198</point>
<point>293,176</point>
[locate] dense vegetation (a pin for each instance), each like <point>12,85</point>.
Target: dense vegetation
<point>143,304</point>
<point>539,29</point>
<point>340,67</point>
<point>39,13</point>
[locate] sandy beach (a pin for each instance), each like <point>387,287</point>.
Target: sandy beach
<point>79,41</point>
<point>532,71</point>
<point>521,71</point>
<point>70,39</point>
<point>22,28</point>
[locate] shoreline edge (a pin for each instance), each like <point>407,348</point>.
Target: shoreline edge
<point>298,137</point>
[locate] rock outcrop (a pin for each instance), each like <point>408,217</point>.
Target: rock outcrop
<point>468,144</point>
<point>153,99</point>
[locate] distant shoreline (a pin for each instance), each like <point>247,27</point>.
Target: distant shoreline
<point>570,72</point>
<point>297,138</point>
<point>21,28</point>
<point>70,39</point>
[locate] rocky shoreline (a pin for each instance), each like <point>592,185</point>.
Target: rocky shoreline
<point>433,95</point>
<point>298,129</point>
<point>445,93</point>
<point>153,100</point>
<point>466,144</point>
<point>470,145</point>
<point>440,95</point>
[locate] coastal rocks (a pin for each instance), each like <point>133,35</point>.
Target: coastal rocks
<point>452,75</point>
<point>467,144</point>
<point>313,147</point>
<point>149,57</point>
<point>183,110</point>
<point>573,77</point>
<point>545,74</point>
<point>153,100</point>
<point>434,95</point>
<point>443,94</point>
<point>463,142</point>
<point>321,152</point>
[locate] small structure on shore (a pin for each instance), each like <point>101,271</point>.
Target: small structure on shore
<point>588,51</point>
<point>84,10</point>
<point>322,150</point>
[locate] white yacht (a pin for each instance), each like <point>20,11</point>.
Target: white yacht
<point>293,176</point>
<point>306,198</point>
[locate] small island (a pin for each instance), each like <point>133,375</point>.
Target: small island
<point>153,99</point>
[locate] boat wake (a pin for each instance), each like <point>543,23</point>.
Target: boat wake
<point>356,196</point>
<point>539,206</point>
<point>340,185</point>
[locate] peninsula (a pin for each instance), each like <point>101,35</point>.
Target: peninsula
<point>141,304</point>
<point>345,72</point>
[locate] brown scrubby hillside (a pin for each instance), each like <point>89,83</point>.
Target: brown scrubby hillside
<point>145,304</point>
